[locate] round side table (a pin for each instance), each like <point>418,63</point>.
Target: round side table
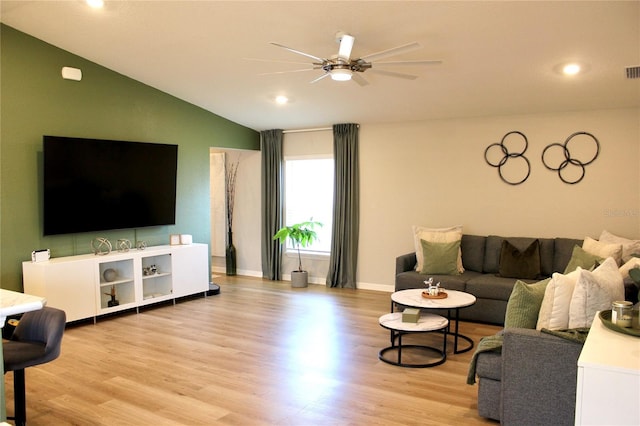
<point>426,323</point>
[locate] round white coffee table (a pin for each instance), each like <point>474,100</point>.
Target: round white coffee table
<point>454,301</point>
<point>426,323</point>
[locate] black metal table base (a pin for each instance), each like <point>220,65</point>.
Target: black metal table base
<point>455,333</point>
<point>455,344</point>
<point>399,347</point>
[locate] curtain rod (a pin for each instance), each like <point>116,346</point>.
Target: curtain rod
<point>317,129</point>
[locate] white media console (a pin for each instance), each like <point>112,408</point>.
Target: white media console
<point>79,285</point>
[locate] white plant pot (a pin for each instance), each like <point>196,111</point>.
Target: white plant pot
<point>299,279</point>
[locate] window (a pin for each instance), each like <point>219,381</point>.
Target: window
<point>309,194</point>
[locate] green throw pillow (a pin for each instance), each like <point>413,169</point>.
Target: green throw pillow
<point>524,304</point>
<point>583,259</point>
<point>440,258</point>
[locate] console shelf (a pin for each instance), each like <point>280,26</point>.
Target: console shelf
<point>83,285</point>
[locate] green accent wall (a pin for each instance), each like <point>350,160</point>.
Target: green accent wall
<point>37,101</point>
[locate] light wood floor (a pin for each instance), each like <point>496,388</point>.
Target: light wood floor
<point>259,353</point>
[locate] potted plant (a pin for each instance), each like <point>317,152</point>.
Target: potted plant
<point>300,234</point>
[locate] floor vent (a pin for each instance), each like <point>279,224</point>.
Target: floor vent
<point>633,72</point>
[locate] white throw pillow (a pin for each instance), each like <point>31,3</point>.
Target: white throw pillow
<point>554,311</point>
<point>629,247</point>
<point>634,262</point>
<point>436,235</point>
<point>603,250</point>
<point>594,292</point>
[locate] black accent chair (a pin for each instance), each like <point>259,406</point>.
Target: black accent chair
<point>36,340</point>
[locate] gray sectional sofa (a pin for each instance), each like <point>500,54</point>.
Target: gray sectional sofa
<point>532,380</point>
<point>481,261</point>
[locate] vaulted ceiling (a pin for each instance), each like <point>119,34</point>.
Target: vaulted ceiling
<point>498,58</point>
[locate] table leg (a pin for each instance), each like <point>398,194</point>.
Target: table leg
<point>3,408</point>
<point>456,333</point>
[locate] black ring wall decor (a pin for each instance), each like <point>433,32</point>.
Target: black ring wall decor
<point>568,159</point>
<point>508,155</point>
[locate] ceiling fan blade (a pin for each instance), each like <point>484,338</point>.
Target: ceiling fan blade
<point>391,52</point>
<point>275,61</point>
<point>423,62</point>
<point>298,52</point>
<point>394,74</point>
<point>346,44</point>
<point>320,78</point>
<point>358,78</point>
<point>287,72</point>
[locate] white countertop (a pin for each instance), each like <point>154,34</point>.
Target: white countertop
<point>13,302</point>
<point>610,350</point>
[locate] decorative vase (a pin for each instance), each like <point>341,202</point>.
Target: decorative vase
<point>109,275</point>
<point>299,279</point>
<point>230,255</point>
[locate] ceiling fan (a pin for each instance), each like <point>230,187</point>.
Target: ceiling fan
<point>342,67</point>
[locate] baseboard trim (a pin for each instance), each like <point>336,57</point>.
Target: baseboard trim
<point>312,280</point>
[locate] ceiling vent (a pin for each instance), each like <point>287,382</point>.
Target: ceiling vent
<point>633,72</point>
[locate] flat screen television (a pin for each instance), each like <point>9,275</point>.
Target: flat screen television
<point>96,185</point>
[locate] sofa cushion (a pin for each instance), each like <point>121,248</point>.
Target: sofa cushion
<point>472,247</point>
<point>547,248</point>
<point>629,247</point>
<point>554,311</point>
<point>603,250</point>
<point>435,235</point>
<point>491,286</point>
<point>493,248</point>
<point>583,259</point>
<point>516,263</point>
<point>489,365</point>
<point>440,258</point>
<point>524,304</point>
<point>634,262</point>
<point>594,291</point>
<point>413,279</point>
<point>563,249</point>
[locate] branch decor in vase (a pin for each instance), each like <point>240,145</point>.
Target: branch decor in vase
<point>231,172</point>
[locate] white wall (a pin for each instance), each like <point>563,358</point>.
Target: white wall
<point>246,220</point>
<point>433,173</point>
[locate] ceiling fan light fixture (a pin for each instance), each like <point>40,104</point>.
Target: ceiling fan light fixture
<point>96,4</point>
<point>340,74</point>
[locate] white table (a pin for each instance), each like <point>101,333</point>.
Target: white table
<point>454,302</point>
<point>13,303</point>
<point>608,388</point>
<point>426,323</point>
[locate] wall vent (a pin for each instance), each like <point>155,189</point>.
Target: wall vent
<point>633,72</point>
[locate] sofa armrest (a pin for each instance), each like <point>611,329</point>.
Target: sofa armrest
<point>539,377</point>
<point>406,262</point>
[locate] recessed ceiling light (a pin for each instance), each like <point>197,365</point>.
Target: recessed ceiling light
<point>281,100</point>
<point>96,4</point>
<point>571,69</point>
